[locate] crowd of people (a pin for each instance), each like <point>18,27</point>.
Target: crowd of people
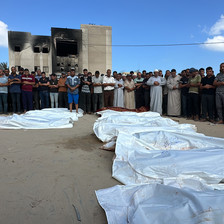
<point>194,94</point>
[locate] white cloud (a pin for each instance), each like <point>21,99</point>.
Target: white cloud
<point>211,43</point>
<point>218,27</point>
<point>3,34</point>
<point>216,42</point>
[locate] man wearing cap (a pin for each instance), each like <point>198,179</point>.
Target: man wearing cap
<point>129,92</point>
<point>73,83</point>
<point>119,91</point>
<point>174,99</point>
<point>62,91</point>
<point>219,83</point>
<point>156,96</point>
<point>108,83</point>
<point>53,89</point>
<point>27,81</point>
<point>194,84</point>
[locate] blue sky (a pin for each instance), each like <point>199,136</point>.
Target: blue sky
<point>133,22</point>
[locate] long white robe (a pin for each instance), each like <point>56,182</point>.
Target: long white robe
<point>119,94</point>
<point>156,93</point>
<point>174,96</point>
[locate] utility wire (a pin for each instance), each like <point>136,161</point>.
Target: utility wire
<point>153,45</point>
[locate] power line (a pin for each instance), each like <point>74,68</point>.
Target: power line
<point>153,45</point>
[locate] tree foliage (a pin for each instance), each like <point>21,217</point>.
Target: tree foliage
<point>3,65</point>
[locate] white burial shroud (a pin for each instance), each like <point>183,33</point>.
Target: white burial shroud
<point>150,151</point>
<point>41,119</point>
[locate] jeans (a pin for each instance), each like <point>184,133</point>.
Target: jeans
<point>220,105</point>
<point>207,102</point>
<point>184,105</point>
<point>85,101</point>
<point>54,100</point>
<point>98,101</point>
<point>3,103</point>
<point>27,99</point>
<point>193,104</point>
<point>16,106</point>
<point>63,99</point>
<point>44,98</point>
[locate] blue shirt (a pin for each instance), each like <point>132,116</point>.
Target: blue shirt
<point>3,80</point>
<point>73,81</point>
<point>15,87</point>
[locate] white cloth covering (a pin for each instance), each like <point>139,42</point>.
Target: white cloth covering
<point>41,119</point>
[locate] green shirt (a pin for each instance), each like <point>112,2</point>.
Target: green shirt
<point>195,80</point>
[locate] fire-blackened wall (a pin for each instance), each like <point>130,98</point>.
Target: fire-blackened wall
<point>66,49</point>
<point>29,51</point>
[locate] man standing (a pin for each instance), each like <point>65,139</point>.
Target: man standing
<point>208,95</point>
<point>156,96</point>
<point>15,90</point>
<point>27,81</point>
<point>129,92</point>
<point>53,85</point>
<point>108,83</point>
<point>97,81</point>
<point>85,95</point>
<point>73,83</point>
<point>36,98</point>
<point>194,84</point>
<point>219,83</point>
<point>146,91</point>
<point>174,101</point>
<point>3,93</point>
<point>139,91</point>
<point>119,92</point>
<point>62,89</point>
<point>184,93</point>
<point>44,93</point>
<point>165,94</point>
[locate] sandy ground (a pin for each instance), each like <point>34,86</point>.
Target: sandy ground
<point>44,172</point>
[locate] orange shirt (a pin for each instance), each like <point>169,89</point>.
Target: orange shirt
<point>61,85</point>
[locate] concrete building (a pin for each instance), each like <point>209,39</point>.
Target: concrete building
<point>88,47</point>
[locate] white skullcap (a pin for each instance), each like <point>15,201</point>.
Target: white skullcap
<point>124,75</point>
<point>156,70</point>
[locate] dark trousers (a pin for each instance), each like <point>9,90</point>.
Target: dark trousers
<point>63,99</point>
<point>108,98</point>
<point>184,105</point>
<point>139,99</point>
<point>220,105</point>
<point>3,103</point>
<point>207,102</point>
<point>193,104</point>
<point>85,102</point>
<point>44,98</point>
<point>98,101</point>
<point>16,106</point>
<point>36,100</point>
<point>27,99</point>
<point>165,99</point>
<point>147,98</point>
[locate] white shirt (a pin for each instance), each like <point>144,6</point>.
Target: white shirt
<point>108,80</point>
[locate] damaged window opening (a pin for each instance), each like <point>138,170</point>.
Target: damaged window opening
<point>17,49</point>
<point>45,50</point>
<point>36,50</point>
<point>66,48</point>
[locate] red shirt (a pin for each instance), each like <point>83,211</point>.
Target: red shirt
<point>27,87</point>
